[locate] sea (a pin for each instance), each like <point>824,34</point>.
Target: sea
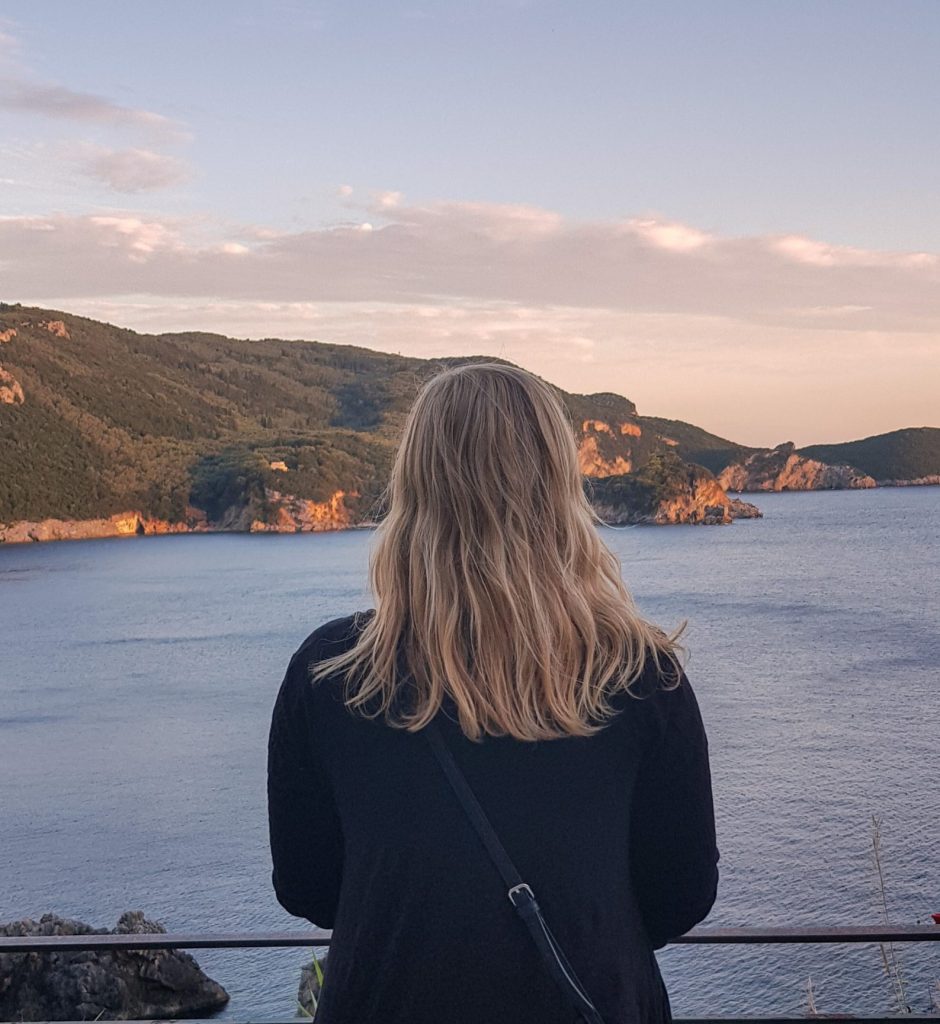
<point>137,678</point>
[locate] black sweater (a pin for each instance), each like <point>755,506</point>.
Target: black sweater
<point>614,832</point>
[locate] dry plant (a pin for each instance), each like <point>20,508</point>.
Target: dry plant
<point>811,1009</point>
<point>889,958</point>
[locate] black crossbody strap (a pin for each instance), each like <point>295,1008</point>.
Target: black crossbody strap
<point>519,893</point>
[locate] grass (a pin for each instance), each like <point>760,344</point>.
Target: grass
<point>303,1009</point>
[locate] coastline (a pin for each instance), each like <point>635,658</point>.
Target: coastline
<point>136,524</point>
<point>47,531</point>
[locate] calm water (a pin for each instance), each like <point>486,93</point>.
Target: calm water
<point>137,678</point>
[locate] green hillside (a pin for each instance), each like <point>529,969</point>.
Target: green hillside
<point>909,454</point>
<point>696,445</point>
<point>113,420</point>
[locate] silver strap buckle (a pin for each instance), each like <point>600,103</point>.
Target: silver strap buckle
<point>522,890</point>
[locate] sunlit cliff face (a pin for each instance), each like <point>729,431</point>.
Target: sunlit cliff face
<point>782,469</point>
<point>301,515</point>
<point>605,449</point>
<point>294,515</point>
<point>11,391</point>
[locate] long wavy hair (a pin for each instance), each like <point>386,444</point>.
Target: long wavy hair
<point>491,583</point>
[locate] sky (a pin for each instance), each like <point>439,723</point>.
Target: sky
<point>727,211</point>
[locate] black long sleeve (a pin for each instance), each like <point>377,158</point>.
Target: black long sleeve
<point>306,838</point>
<point>368,840</point>
<point>673,845</point>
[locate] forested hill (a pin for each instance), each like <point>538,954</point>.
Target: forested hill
<point>97,420</point>
<point>908,455</point>
<point>904,455</point>
<point>697,445</point>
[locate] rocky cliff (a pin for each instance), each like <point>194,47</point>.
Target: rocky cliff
<point>280,513</point>
<point>784,469</point>
<point>11,391</point>
<point>122,524</point>
<point>286,513</point>
<point>605,449</point>
<point>666,491</point>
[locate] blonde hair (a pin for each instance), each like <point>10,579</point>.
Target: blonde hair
<point>491,583</point>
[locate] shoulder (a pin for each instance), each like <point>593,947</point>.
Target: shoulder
<point>333,637</point>
<point>664,699</point>
<point>326,641</point>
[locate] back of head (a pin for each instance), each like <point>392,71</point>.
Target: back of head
<point>491,583</point>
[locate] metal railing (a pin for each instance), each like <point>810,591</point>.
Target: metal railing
<point>696,937</point>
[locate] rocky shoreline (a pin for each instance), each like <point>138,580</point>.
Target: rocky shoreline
<point>703,505</point>
<point>923,481</point>
<point>291,515</point>
<point>106,985</point>
<point>783,469</point>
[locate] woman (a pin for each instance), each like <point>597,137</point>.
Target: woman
<point>501,617</point>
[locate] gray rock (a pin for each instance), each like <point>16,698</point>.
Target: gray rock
<point>109,985</point>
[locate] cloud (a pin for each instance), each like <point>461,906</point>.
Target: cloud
<point>135,237</point>
<point>478,252</point>
<point>61,103</point>
<point>672,236</point>
<point>386,200</point>
<point>687,323</point>
<point>820,254</point>
<point>135,170</point>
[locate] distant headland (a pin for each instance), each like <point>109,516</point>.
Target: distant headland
<point>107,432</point>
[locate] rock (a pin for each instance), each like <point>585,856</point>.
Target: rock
<point>7,335</point>
<point>122,524</point>
<point>299,515</point>
<point>782,469</point>
<point>744,510</point>
<point>602,450</point>
<point>664,491</point>
<point>11,391</point>
<point>592,463</point>
<point>703,502</point>
<point>56,327</point>
<point>308,992</point>
<point>921,481</point>
<point>290,515</point>
<point>109,985</point>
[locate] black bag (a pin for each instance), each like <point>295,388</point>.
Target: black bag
<point>520,894</point>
